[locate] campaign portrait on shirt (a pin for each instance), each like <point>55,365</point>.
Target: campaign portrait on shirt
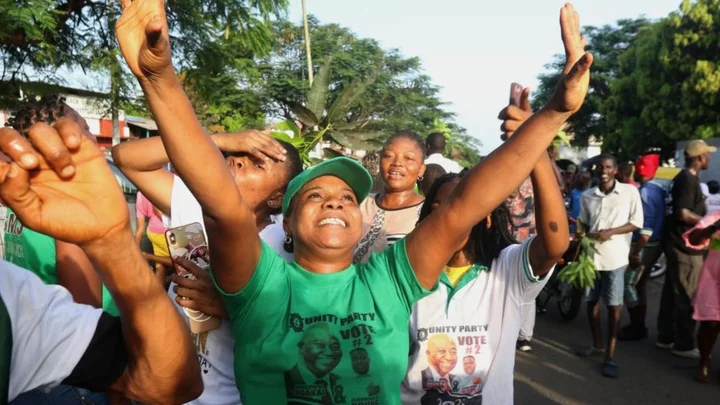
<point>312,379</point>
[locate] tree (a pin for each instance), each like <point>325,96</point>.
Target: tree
<point>606,43</point>
<point>39,36</point>
<point>670,86</point>
<point>388,92</point>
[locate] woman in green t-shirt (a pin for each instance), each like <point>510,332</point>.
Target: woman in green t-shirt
<point>321,329</point>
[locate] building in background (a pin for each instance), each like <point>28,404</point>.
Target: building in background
<point>580,154</point>
<point>92,106</point>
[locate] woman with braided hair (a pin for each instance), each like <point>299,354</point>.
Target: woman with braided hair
<point>463,335</point>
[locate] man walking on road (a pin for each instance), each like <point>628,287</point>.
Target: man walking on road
<point>435,143</point>
<point>609,213</point>
<point>685,207</point>
<point>646,247</point>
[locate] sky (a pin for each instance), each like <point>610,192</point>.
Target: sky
<point>474,49</point>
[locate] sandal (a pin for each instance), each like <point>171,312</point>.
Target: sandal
<point>610,369</point>
<point>589,351</point>
<point>703,374</point>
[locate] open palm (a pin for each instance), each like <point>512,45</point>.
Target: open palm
<point>142,33</point>
<point>79,210</point>
<point>573,87</point>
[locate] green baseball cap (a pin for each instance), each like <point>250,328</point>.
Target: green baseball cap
<point>348,170</point>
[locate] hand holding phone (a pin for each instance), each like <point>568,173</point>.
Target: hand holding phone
<point>515,95</point>
<point>188,242</point>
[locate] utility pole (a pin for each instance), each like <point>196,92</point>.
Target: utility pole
<point>307,43</point>
<point>115,78</point>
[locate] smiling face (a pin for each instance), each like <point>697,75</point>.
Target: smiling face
<point>442,353</point>
<point>607,170</point>
<point>320,350</point>
<point>325,217</point>
<point>401,163</point>
<point>259,181</point>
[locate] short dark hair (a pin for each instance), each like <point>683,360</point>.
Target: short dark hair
<point>433,172</point>
<point>411,135</point>
<point>48,109</point>
<point>435,141</point>
<point>486,240</point>
<point>713,187</point>
<point>607,156</point>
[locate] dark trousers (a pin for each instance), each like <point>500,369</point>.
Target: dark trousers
<point>675,323</point>
<point>650,256</point>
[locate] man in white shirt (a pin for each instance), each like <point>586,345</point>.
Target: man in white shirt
<point>609,213</point>
<point>435,144</point>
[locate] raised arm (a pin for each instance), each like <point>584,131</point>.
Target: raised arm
<point>553,232</point>
<point>143,162</point>
<point>49,196</point>
<point>142,33</point>
<point>487,185</point>
<point>553,237</point>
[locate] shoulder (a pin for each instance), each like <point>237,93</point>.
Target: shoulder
<point>589,193</point>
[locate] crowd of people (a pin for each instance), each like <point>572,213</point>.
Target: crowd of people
<point>404,279</point>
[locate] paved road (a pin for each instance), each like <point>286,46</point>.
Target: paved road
<point>552,374</point>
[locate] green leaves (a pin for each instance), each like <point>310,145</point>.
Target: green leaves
<point>307,117</point>
<point>346,99</point>
<point>318,94</point>
<point>581,272</point>
<point>358,140</point>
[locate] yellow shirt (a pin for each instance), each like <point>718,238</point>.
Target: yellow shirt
<point>454,274</point>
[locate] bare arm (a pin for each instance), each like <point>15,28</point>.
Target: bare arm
<point>142,33</point>
<point>687,217</point>
<point>156,372</point>
<point>52,203</point>
<point>553,232</point>
<point>143,162</point>
<point>487,185</point>
<point>76,273</point>
<point>140,230</point>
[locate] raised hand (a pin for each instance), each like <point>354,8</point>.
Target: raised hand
<point>573,86</point>
<point>142,33</point>
<point>256,143</point>
<point>60,185</point>
<point>513,116</point>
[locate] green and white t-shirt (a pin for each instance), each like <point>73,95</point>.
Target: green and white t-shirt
<point>36,252</point>
<point>340,338</point>
<point>30,250</point>
<point>463,338</point>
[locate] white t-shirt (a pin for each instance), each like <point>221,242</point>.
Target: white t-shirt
<point>712,202</point>
<point>449,165</point>
<point>480,319</point>
<point>50,332</point>
<point>215,348</point>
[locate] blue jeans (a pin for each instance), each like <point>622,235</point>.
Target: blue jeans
<point>610,286</point>
<point>61,395</point>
